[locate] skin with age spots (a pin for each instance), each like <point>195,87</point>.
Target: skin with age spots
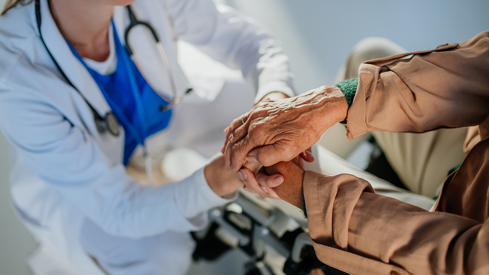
<point>280,130</point>
<point>252,174</point>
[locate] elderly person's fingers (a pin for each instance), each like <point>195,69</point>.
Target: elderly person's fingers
<point>239,134</point>
<point>267,155</point>
<point>241,126</point>
<point>251,184</point>
<point>238,153</point>
<point>235,124</point>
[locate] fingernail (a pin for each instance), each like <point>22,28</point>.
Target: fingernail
<point>252,159</point>
<point>309,154</point>
<point>242,175</point>
<point>278,179</point>
<point>265,190</point>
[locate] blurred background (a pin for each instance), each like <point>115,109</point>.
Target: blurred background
<point>317,35</point>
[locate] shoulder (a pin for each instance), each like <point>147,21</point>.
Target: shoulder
<point>24,62</point>
<point>21,49</point>
<point>17,30</point>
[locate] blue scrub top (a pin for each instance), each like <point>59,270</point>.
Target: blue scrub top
<point>132,100</point>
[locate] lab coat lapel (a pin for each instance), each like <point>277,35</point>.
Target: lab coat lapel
<point>71,66</point>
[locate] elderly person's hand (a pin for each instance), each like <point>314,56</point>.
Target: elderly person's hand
<point>275,131</point>
<point>252,174</point>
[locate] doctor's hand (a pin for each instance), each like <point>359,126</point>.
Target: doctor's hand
<point>275,131</point>
<point>274,96</point>
<point>224,181</point>
<point>256,181</point>
<point>268,182</point>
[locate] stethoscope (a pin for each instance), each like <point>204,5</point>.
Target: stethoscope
<point>134,22</point>
<point>108,122</point>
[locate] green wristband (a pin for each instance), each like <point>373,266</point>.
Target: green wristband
<point>349,89</point>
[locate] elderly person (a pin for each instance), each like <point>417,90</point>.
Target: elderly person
<point>352,228</point>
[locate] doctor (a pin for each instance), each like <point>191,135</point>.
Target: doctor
<point>83,96</point>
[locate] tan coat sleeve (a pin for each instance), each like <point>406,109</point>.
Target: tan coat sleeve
<point>448,87</point>
<point>360,232</point>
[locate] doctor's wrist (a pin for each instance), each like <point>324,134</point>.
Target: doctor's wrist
<point>221,178</point>
<point>274,96</point>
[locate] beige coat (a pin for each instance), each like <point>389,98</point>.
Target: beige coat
<point>357,231</point>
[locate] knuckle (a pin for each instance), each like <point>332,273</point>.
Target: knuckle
<point>236,121</point>
<point>260,158</point>
<point>257,130</point>
<point>263,159</point>
<point>254,133</point>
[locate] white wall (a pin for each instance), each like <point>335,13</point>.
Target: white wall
<point>318,34</point>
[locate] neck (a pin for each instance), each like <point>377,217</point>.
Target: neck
<point>85,24</point>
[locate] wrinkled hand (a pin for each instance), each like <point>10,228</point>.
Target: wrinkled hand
<point>275,131</point>
<point>252,174</point>
<point>293,173</point>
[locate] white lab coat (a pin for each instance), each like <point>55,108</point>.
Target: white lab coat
<point>64,171</point>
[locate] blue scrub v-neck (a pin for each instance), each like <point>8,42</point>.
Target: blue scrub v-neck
<point>132,100</point>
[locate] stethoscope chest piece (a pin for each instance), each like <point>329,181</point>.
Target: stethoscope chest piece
<point>112,124</point>
<point>108,123</point>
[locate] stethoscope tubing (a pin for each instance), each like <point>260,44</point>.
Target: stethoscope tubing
<point>134,22</point>
<point>108,122</point>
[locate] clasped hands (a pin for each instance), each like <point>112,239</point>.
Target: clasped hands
<point>267,145</point>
